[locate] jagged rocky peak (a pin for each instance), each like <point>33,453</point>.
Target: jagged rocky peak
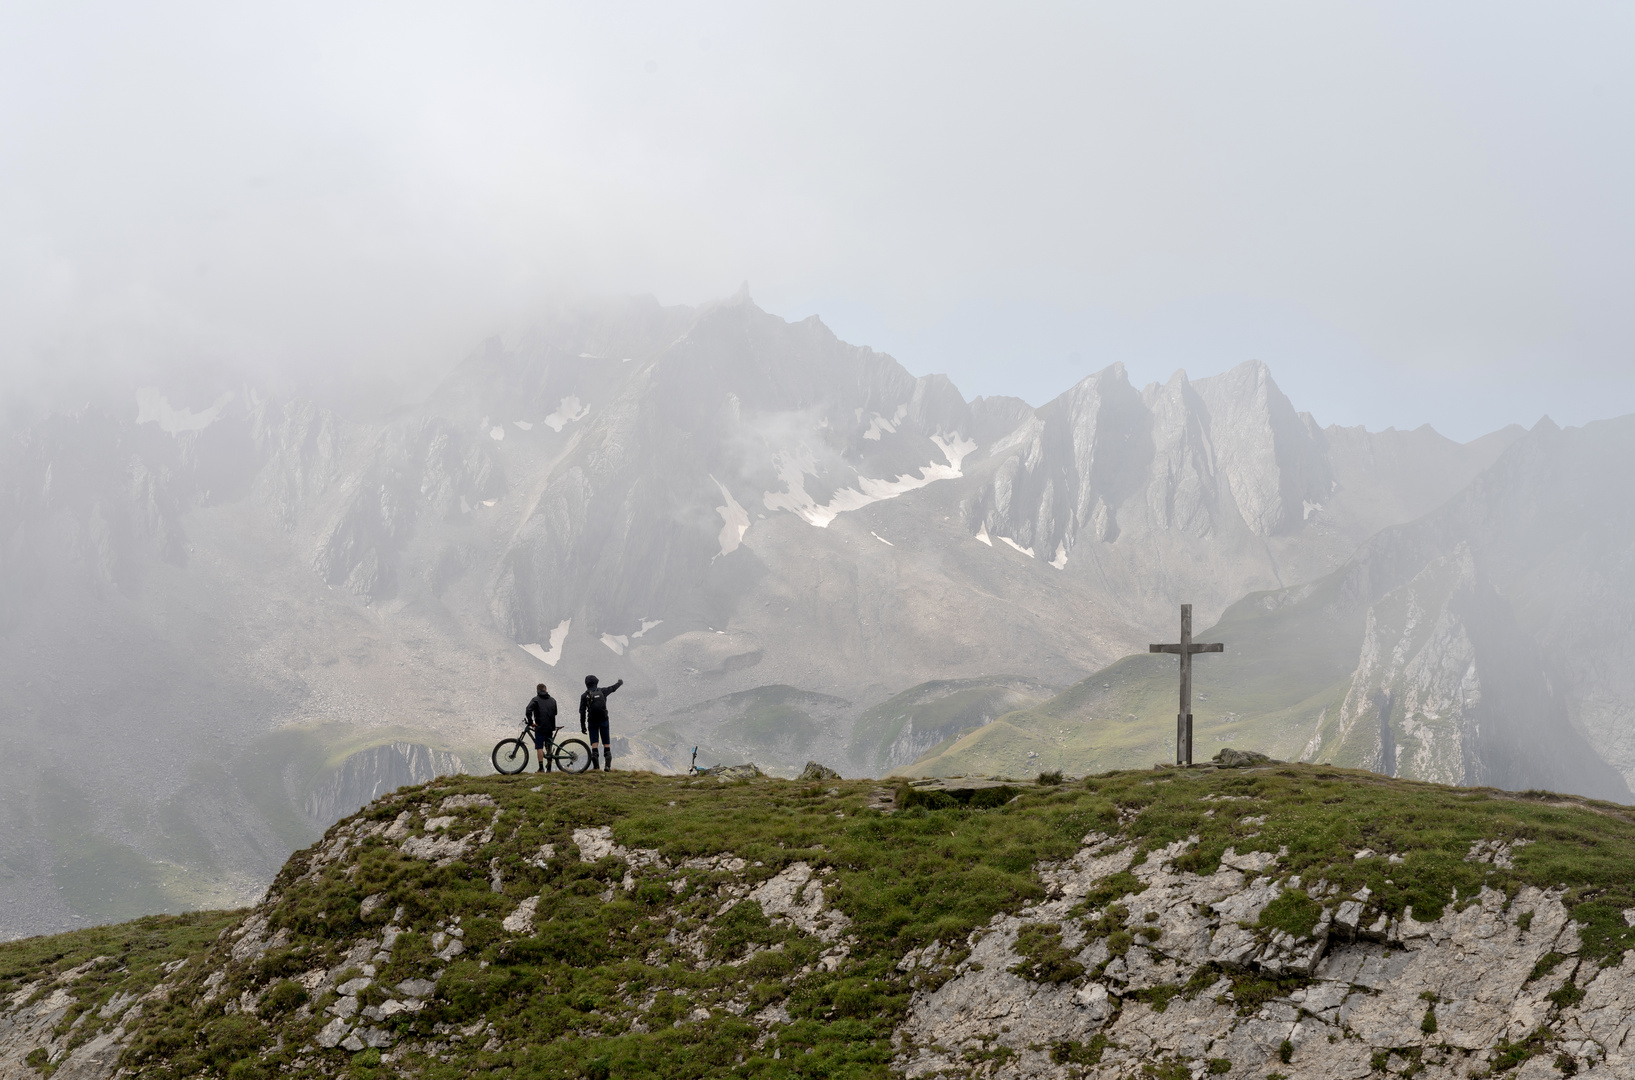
<point>1274,459</point>
<point>742,416</point>
<point>772,365</point>
<point>1104,460</point>
<point>582,351</point>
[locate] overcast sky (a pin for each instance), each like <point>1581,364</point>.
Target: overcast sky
<point>1414,213</point>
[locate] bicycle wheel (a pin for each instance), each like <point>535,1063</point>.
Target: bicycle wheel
<point>572,755</point>
<point>510,756</point>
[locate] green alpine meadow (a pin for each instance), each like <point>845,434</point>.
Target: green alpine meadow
<point>633,925</point>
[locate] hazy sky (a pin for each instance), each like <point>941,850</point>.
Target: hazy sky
<point>1414,213</point>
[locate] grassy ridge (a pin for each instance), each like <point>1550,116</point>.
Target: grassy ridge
<point>563,1002</point>
<point>607,986</point>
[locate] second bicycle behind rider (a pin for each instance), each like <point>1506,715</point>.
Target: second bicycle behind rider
<point>541,717</point>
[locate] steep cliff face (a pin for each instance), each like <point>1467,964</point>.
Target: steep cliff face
<point>368,774</point>
<point>1288,920</point>
<point>1448,689</point>
<point>1411,709</point>
<point>1274,461</point>
<point>1512,572</point>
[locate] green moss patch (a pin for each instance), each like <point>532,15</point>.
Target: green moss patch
<point>1047,961</point>
<point>1293,912</point>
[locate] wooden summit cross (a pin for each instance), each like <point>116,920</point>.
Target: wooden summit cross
<point>1187,647</point>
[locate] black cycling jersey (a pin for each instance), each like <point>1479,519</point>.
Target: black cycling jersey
<point>541,712</point>
<point>593,704</point>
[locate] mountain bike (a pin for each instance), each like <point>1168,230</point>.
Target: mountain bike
<point>511,756</point>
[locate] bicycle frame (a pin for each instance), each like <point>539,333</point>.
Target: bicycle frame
<point>527,738</point>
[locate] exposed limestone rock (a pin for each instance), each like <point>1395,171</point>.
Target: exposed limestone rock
<point>466,802</point>
<point>1497,852</point>
<point>1155,982</point>
<point>439,849</point>
<point>594,844</point>
<point>814,771</point>
<point>332,1033</point>
<point>794,895</point>
<point>447,848</point>
<point>521,921</point>
<point>735,772</point>
<point>1240,759</point>
<point>25,1027</point>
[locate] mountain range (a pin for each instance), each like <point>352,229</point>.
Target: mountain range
<point>229,617</point>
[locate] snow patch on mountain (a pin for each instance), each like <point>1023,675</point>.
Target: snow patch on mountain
<point>567,411</point>
<point>1024,550</point>
<point>153,408</point>
<point>735,521</point>
<point>554,653</point>
<point>793,469</point>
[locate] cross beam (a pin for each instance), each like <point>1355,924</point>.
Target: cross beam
<point>1186,648</point>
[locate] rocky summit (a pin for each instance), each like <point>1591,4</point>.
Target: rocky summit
<point>1268,920</point>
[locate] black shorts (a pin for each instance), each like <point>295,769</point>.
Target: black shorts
<point>540,737</point>
<point>598,730</point>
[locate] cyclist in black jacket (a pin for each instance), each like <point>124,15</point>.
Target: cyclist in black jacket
<point>541,717</point>
<point>593,710</point>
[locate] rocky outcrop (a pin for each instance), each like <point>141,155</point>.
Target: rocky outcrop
<point>422,467</point>
<point>749,771</point>
<point>1186,968</point>
<point>1231,758</point>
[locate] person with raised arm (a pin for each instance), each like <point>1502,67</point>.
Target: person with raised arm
<point>593,712</point>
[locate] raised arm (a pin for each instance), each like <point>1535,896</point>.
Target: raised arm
<point>615,686</point>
